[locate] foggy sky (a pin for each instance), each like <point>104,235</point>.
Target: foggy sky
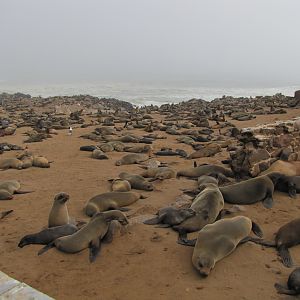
<point>238,41</point>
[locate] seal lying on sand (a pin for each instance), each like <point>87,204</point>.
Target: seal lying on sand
<point>132,158</point>
<point>170,216</point>
<point>207,205</point>
<point>289,184</point>
<point>90,236</point>
<point>111,200</point>
<point>159,173</point>
<point>286,237</point>
<point>204,170</point>
<point>10,187</point>
<point>11,163</point>
<point>293,284</point>
<point>252,190</point>
<point>137,182</point>
<point>216,241</point>
<point>48,235</point>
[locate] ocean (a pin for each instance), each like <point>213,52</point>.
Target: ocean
<point>144,94</point>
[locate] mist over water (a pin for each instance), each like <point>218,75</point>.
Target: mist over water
<point>144,94</point>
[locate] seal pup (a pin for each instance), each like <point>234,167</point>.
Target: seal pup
<point>201,181</point>
<point>216,241</point>
<point>293,284</point>
<point>111,201</point>
<point>208,204</point>
<point>47,235</point>
<point>11,163</point>
<point>252,190</point>
<point>3,214</point>
<point>120,185</point>
<point>59,212</point>
<point>286,237</point>
<point>284,167</point>
<point>90,236</point>
<point>132,158</point>
<point>137,182</point>
<point>170,216</point>
<point>40,162</point>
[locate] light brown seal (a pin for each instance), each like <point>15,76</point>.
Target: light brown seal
<point>159,173</point>
<point>90,236</point>
<point>132,158</point>
<point>10,187</point>
<point>111,201</point>
<point>59,212</point>
<point>216,241</point>
<point>120,185</point>
<point>10,163</point>
<point>137,182</point>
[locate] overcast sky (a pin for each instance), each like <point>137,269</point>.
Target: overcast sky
<point>238,41</point>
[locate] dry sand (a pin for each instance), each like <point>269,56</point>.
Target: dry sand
<point>146,262</point>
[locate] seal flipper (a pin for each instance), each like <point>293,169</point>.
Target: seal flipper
<point>122,208</point>
<point>163,226</point>
<point>282,290</point>
<point>95,247</point>
<point>244,240</point>
<point>46,248</point>
<point>23,192</point>
<point>285,256</point>
<point>108,238</point>
<point>268,202</point>
<point>190,243</point>
<point>262,242</point>
<point>257,230</point>
<point>152,221</point>
<point>5,213</point>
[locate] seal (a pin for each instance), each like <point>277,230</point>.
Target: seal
<point>284,167</point>
<point>132,158</point>
<point>207,205</point>
<point>111,201</point>
<point>289,184</point>
<point>10,163</point>
<point>3,214</point>
<point>170,216</point>
<point>47,235</point>
<point>10,187</point>
<point>201,181</point>
<point>286,237</point>
<point>204,170</point>
<point>216,241</point>
<point>159,173</point>
<point>137,182</point>
<point>59,212</point>
<point>99,154</point>
<point>252,190</point>
<point>120,185</point>
<point>90,236</point>
<point>293,284</point>
<point>40,162</point>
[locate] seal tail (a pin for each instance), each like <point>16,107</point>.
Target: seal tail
<point>282,290</point>
<point>5,213</point>
<point>257,230</point>
<point>285,256</point>
<point>46,248</point>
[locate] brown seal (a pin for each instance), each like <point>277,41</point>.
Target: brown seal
<point>284,167</point>
<point>204,170</point>
<point>216,241</point>
<point>90,236</point>
<point>59,212</point>
<point>111,200</point>
<point>252,190</point>
<point>286,237</point>
<point>120,185</point>
<point>159,173</point>
<point>47,235</point>
<point>170,216</point>
<point>40,162</point>
<point>293,284</point>
<point>208,204</point>
<point>10,187</point>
